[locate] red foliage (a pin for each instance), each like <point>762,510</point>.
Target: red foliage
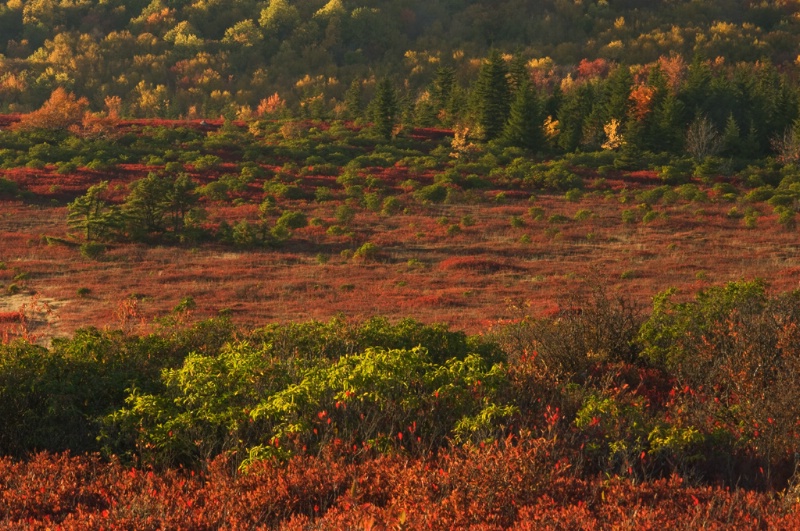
<point>473,263</point>
<point>592,69</point>
<point>11,317</point>
<point>518,484</point>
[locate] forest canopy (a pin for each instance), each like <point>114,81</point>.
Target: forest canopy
<point>206,58</point>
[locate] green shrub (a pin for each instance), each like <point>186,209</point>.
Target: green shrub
<point>391,205</point>
<point>8,188</point>
<point>628,217</point>
<point>367,252</point>
<point>434,193</point>
<point>92,250</point>
<point>292,220</point>
<point>206,162</point>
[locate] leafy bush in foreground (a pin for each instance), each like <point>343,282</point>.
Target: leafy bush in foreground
<point>705,388</point>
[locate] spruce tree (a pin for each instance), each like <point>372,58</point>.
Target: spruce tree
<point>732,137</point>
<point>491,96</point>
<point>575,108</point>
<point>385,109</point>
<point>518,73</point>
<point>353,100</point>
<point>619,93</point>
<point>524,126</point>
<point>443,87</point>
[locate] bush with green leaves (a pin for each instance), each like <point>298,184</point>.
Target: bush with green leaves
<point>206,162</point>
<point>434,193</point>
<point>367,252</point>
<point>8,188</point>
<point>296,386</point>
<point>53,399</point>
<point>733,349</point>
<point>292,220</point>
<point>555,176</point>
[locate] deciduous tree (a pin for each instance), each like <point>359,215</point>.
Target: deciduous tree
<point>61,111</point>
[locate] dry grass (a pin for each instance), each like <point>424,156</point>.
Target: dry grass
<point>426,269</point>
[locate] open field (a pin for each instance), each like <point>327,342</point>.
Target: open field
<point>463,263</point>
<point>580,400</point>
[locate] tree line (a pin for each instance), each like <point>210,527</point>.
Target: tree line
<point>182,58</point>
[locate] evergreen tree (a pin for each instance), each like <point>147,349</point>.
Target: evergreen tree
<point>353,101</point>
<point>696,90</point>
<point>443,86</point>
<point>491,96</point>
<point>92,216</point>
<point>576,106</point>
<point>731,137</point>
<point>667,129</point>
<point>619,93</point>
<point>145,206</point>
<point>518,73</point>
<point>524,126</point>
<point>385,109</point>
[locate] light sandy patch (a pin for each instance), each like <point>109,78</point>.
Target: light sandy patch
<point>228,256</point>
<point>41,319</point>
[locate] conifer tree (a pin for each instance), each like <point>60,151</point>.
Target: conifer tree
<point>576,106</point>
<point>353,101</point>
<point>524,126</point>
<point>443,86</point>
<point>518,73</point>
<point>696,90</point>
<point>731,137</point>
<point>92,216</point>
<point>619,93</point>
<point>385,109</point>
<point>491,96</point>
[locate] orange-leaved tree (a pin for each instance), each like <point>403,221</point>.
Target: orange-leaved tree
<point>61,111</point>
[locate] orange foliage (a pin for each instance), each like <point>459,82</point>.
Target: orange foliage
<point>674,68</point>
<point>498,487</point>
<point>270,105</point>
<point>61,111</point>
<point>642,99</point>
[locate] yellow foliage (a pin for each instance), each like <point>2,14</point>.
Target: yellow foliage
<point>551,127</point>
<point>614,139</point>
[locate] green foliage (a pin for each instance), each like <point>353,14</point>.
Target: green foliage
<point>206,162</point>
<point>92,216</point>
<point>310,382</point>
<point>8,188</point>
<point>375,395</point>
<point>434,193</point>
<point>53,399</point>
<point>385,109</point>
<point>524,126</point>
<point>292,220</point>
<point>367,252</point>
<point>158,203</point>
<point>92,250</point>
<point>675,332</point>
<point>491,97</point>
